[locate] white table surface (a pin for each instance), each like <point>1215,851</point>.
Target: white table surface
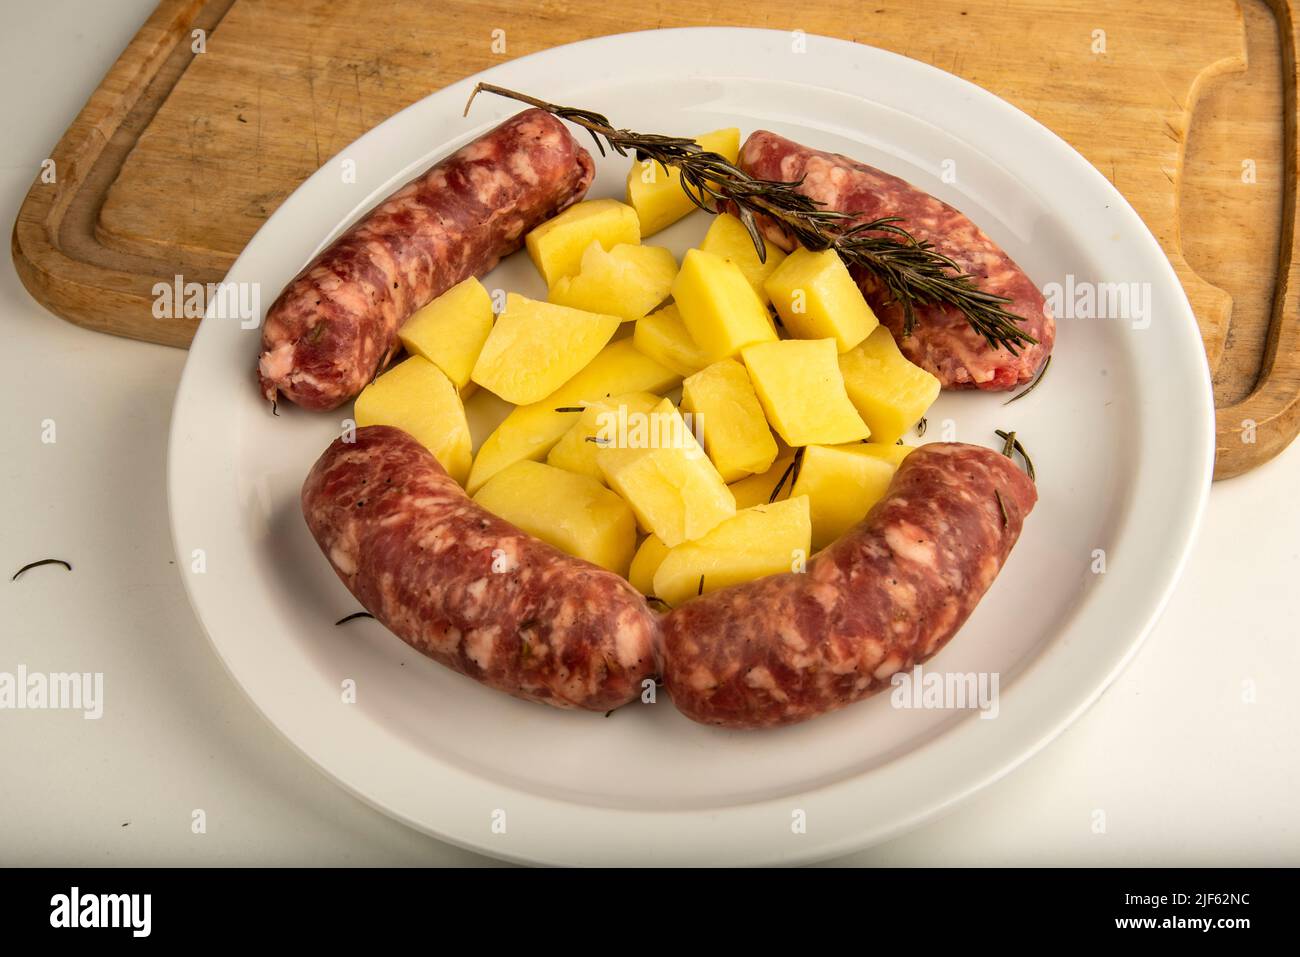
<point>1184,767</point>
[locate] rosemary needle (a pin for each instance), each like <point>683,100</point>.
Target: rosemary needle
<point>791,472</point>
<point>1002,505</point>
<point>1033,385</point>
<point>913,272</point>
<point>352,617</point>
<point>44,561</point>
<point>1009,445</point>
<point>1010,442</point>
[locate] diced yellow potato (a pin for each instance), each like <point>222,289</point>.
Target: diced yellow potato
<point>662,472</point>
<point>799,384</point>
<point>663,337</point>
<point>535,347</point>
<point>889,392</point>
<point>816,298</point>
<point>758,541</point>
<point>575,513</point>
<point>417,397</point>
<point>758,489</point>
<point>658,198</point>
<point>735,431</point>
<point>892,453</point>
<point>645,563</point>
<point>576,450</point>
<point>530,431</point>
<point>451,330</point>
<point>727,237</point>
<point>842,483</point>
<point>626,281</point>
<point>556,246</point>
<point>719,307</point>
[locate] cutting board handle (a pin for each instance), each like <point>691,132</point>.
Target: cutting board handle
<point>1260,426</point>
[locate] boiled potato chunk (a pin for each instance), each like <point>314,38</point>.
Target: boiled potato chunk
<point>758,489</point>
<point>645,563</point>
<point>758,541</point>
<point>535,347</point>
<point>719,307</point>
<point>735,431</point>
<point>727,237</point>
<point>556,246</point>
<point>816,298</point>
<point>799,384</point>
<point>658,197</point>
<point>841,483</point>
<point>625,281</point>
<point>892,453</point>
<point>530,431</point>
<point>576,450</point>
<point>889,392</point>
<point>451,330</point>
<point>417,397</point>
<point>662,335</point>
<point>662,472</point>
<point>575,513</point>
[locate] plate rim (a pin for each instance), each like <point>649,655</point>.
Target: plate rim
<point>645,826</point>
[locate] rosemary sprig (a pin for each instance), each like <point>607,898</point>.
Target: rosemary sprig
<point>913,272</point>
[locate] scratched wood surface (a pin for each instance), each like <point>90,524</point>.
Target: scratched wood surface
<point>179,157</point>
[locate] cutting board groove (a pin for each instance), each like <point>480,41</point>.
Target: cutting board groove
<point>179,156</point>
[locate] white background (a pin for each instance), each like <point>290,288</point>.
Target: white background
<point>1179,762</point>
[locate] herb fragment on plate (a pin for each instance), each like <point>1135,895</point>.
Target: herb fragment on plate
<point>1010,443</point>
<point>791,472</point>
<point>914,272</point>
<point>1033,385</point>
<point>921,427</point>
<point>352,617</point>
<point>44,561</point>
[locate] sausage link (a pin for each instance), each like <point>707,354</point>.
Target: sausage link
<point>334,327</point>
<point>470,590</point>
<point>885,596</point>
<point>942,341</point>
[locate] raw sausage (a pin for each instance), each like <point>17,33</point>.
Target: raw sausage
<point>887,595</point>
<point>942,341</point>
<point>335,325</point>
<point>467,588</point>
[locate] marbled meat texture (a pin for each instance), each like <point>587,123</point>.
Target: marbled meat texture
<point>469,589</point>
<point>335,326</point>
<point>885,596</point>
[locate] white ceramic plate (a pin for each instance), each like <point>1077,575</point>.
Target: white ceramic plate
<point>1121,432</point>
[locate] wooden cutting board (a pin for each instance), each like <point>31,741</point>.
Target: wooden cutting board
<point>218,109</point>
